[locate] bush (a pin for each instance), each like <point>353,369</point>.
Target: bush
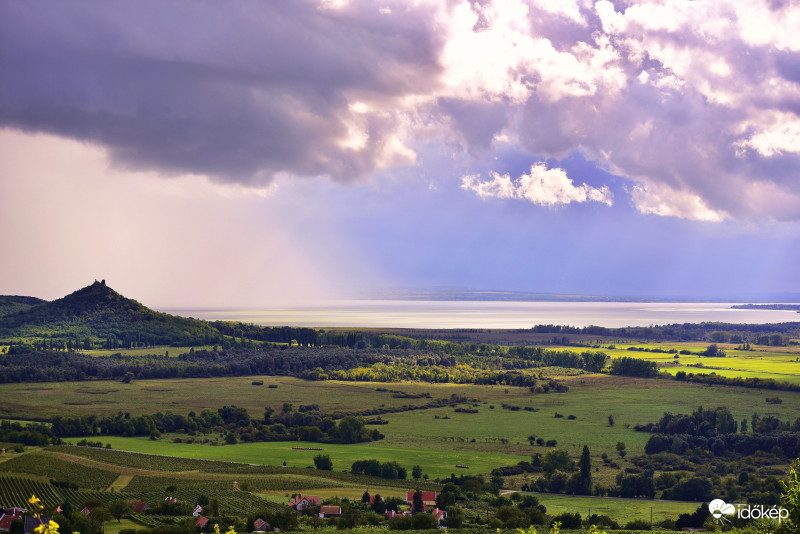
<point>323,462</point>
<point>637,524</point>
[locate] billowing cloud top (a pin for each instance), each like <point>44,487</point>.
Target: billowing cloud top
<point>695,103</point>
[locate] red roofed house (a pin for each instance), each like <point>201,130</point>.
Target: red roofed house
<point>14,511</point>
<point>201,522</point>
<point>440,515</point>
<point>428,497</point>
<point>5,521</point>
<point>171,500</point>
<point>330,511</point>
<point>259,525</point>
<point>301,502</point>
<point>8,515</point>
<point>139,507</point>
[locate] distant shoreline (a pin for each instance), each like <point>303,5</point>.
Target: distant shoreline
<point>441,314</point>
<point>774,307</point>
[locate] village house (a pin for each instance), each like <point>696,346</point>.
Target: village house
<point>7,516</point>
<point>428,498</point>
<point>301,502</point>
<point>439,515</point>
<point>139,507</point>
<point>330,511</point>
<point>259,525</point>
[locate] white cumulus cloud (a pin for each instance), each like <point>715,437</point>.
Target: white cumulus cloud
<point>542,186</point>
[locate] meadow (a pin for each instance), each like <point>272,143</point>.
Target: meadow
<point>781,364</point>
<point>621,510</point>
<point>489,428</point>
<point>437,439</point>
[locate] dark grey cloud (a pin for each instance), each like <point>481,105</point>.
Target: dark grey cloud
<point>235,90</point>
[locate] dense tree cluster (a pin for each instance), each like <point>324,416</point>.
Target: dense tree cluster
<point>626,366</point>
<point>389,365</point>
<point>12,304</point>
<point>390,470</point>
<point>706,331</point>
<point>233,421</point>
<point>716,430</point>
<point>36,434</point>
<point>738,381</point>
<point>46,366</point>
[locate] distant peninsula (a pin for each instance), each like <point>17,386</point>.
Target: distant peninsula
<point>780,307</point>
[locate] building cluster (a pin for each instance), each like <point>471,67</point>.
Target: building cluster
<point>9,515</point>
<point>302,502</point>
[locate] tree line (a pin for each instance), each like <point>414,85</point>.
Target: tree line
<point>306,424</point>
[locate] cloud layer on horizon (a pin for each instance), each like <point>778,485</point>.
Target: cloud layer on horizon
<point>696,104</point>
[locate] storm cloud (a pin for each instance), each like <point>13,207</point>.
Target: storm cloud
<point>237,91</point>
<point>694,104</point>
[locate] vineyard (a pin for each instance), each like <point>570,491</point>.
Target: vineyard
<point>259,476</point>
<point>154,462</point>
<point>231,502</point>
<point>55,468</point>
<point>15,491</point>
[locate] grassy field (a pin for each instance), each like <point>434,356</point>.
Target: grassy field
<point>159,350</point>
<point>34,401</point>
<point>621,510</point>
<point>591,399</point>
<point>781,364</point>
<point>437,439</point>
<point>436,462</point>
<point>114,527</point>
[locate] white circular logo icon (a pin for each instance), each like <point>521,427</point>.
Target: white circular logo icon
<point>718,508</point>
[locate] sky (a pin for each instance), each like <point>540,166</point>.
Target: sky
<point>244,154</point>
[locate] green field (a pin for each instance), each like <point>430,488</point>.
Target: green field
<point>621,510</point>
<point>781,364</point>
<point>437,439</point>
<point>591,399</point>
<point>159,351</point>
<point>44,400</point>
<point>437,462</point>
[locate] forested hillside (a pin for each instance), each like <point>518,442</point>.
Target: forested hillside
<point>13,303</point>
<point>99,312</point>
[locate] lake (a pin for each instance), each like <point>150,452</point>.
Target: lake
<point>490,314</point>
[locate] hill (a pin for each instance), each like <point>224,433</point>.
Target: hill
<point>12,304</point>
<point>99,312</point>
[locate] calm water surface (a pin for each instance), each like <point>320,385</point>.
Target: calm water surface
<point>490,314</point>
